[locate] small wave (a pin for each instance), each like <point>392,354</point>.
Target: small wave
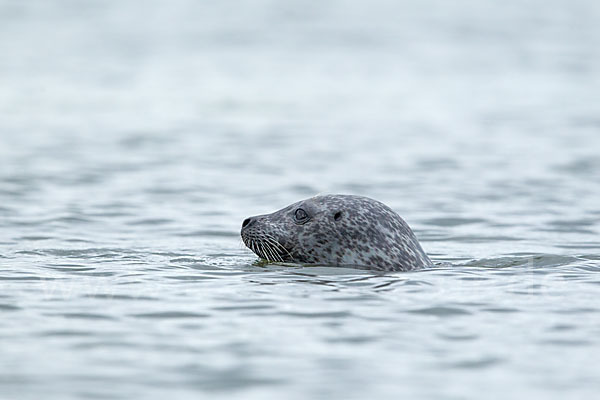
<point>170,315</point>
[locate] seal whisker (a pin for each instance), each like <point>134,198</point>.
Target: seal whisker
<point>275,252</point>
<point>276,256</point>
<point>267,251</point>
<point>272,250</point>
<point>278,246</point>
<point>285,251</point>
<point>262,250</point>
<point>254,247</point>
<point>259,250</point>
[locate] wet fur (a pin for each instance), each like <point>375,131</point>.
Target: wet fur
<point>367,233</point>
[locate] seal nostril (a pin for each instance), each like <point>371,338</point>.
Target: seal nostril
<point>246,222</point>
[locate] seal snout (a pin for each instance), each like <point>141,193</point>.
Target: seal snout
<point>258,235</point>
<point>248,222</point>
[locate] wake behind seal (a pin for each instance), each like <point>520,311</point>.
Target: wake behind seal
<point>336,230</point>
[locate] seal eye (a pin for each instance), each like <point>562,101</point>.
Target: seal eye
<point>337,215</point>
<point>300,215</point>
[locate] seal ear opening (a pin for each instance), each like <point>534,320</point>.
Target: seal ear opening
<point>337,215</point>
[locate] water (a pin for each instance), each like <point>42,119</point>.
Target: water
<point>134,141</point>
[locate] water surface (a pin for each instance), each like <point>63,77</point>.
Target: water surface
<point>134,141</point>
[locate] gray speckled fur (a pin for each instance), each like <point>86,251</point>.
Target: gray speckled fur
<point>368,234</point>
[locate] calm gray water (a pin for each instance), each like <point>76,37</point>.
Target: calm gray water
<point>136,136</point>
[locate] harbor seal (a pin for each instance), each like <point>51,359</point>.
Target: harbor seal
<point>336,230</point>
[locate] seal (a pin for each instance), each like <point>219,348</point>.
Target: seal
<point>336,230</point>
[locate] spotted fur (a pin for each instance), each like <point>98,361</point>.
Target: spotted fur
<point>340,230</point>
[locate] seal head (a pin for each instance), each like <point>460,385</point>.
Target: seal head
<point>336,230</point>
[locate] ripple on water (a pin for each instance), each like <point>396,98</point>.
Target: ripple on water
<point>150,221</point>
<point>503,310</point>
<point>84,315</point>
<point>27,278</point>
<point>208,233</point>
<point>9,307</point>
<point>191,278</point>
<point>109,296</point>
<point>170,315</point>
<point>525,260</point>
<point>453,221</point>
<point>85,252</point>
<point>317,314</point>
<point>34,238</point>
<point>479,363</point>
<point>67,333</point>
<point>440,311</point>
<point>359,339</point>
<point>458,337</point>
<point>224,379</point>
<point>244,307</point>
<point>567,342</point>
<point>70,267</point>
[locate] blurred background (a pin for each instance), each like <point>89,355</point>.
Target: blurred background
<point>136,136</point>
